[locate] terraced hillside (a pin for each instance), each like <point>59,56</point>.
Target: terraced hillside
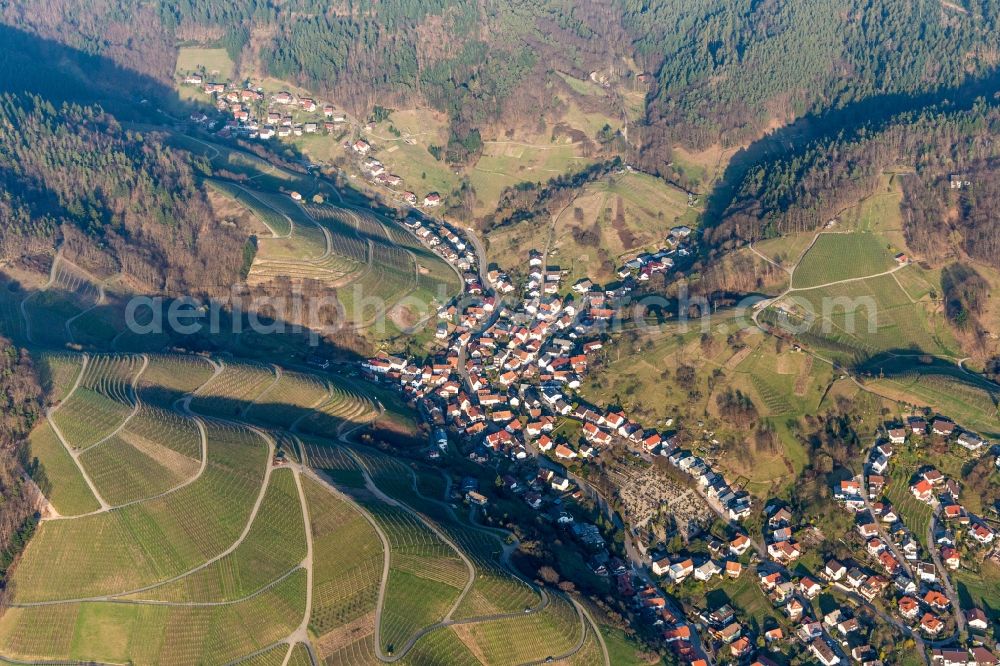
<point>372,263</point>
<point>370,268</point>
<point>176,534</point>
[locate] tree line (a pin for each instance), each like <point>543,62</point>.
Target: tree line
<point>726,69</point>
<point>20,408</point>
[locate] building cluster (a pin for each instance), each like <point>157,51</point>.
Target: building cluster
<point>378,174</point>
<point>509,372</point>
<point>447,242</point>
<point>507,377</point>
<point>717,490</point>
<point>646,264</point>
<point>920,591</point>
<point>257,115</point>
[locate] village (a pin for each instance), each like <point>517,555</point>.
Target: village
<point>252,113</point>
<point>504,387</point>
<point>514,351</point>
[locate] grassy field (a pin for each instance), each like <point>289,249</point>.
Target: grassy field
<point>621,650</point>
<point>879,213</point>
<point>628,212</point>
<point>785,250</point>
<point>968,399</point>
<point>216,63</point>
<point>705,167</point>
<point>506,163</point>
<point>837,256</point>
<point>980,589</point>
<point>783,384</point>
<point>860,319</point>
<point>526,155</point>
<point>408,156</point>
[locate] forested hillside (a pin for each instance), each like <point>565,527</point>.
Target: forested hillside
<point>804,191</point>
<point>723,70</point>
<point>20,405</point>
<point>728,69</point>
<point>120,201</point>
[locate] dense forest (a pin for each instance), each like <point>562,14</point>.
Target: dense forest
<point>721,71</point>
<point>728,69</point>
<point>116,200</point>
<point>20,406</point>
<point>941,221</point>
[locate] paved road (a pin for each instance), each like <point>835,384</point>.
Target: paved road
<point>882,533</point>
<point>956,606</point>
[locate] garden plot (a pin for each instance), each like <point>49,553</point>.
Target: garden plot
<point>278,223</point>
